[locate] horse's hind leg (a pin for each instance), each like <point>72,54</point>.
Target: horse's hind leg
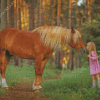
<point>4,59</point>
<point>38,73</point>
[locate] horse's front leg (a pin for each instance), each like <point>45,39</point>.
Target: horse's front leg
<point>40,64</point>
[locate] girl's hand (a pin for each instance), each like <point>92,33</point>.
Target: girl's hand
<point>89,56</point>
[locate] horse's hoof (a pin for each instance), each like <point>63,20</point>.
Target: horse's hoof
<point>36,87</point>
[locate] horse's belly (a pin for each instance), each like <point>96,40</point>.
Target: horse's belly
<point>23,54</point>
<point>21,46</point>
<point>22,51</point>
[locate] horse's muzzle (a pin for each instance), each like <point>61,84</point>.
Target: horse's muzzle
<point>82,50</point>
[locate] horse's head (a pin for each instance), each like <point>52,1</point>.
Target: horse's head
<point>76,41</point>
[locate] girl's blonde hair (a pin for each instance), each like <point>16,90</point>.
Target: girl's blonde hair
<point>91,47</point>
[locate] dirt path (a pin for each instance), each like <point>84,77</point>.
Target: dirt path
<point>23,91</point>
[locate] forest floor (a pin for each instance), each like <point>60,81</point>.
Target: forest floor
<point>23,91</point>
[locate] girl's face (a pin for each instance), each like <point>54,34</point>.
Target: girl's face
<point>87,46</point>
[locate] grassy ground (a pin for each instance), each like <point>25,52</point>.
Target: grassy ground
<point>25,74</point>
<point>75,85</point>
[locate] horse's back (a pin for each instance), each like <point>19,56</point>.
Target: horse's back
<point>24,44</point>
<point>8,35</point>
<point>4,36</point>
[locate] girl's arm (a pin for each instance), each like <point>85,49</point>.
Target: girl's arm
<point>93,56</point>
<point>89,56</point>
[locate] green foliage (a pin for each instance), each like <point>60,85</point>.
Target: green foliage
<point>97,2</point>
<point>91,29</point>
<point>76,85</point>
<point>99,54</point>
<point>84,60</point>
<point>91,32</point>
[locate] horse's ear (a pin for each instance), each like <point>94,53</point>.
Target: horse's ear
<point>72,30</point>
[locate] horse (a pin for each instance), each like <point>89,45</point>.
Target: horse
<point>36,44</point>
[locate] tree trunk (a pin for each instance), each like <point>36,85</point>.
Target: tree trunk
<point>70,13</point>
<point>58,12</point>
<point>77,24</point>
<point>53,13</point>
<point>11,14</point>
<point>39,13</point>
<point>19,15</point>
<point>57,58</point>
<point>11,24</point>
<point>77,58</point>
<point>0,16</point>
<point>31,15</point>
<point>3,14</point>
<point>86,10</point>
<point>42,19</point>
<point>37,22</point>
<point>19,26</point>
<point>71,62</point>
<point>31,21</point>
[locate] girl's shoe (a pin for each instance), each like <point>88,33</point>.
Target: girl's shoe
<point>93,84</point>
<point>99,83</point>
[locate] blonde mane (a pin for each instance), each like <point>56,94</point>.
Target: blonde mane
<point>56,36</point>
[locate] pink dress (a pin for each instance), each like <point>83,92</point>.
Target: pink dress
<point>94,64</point>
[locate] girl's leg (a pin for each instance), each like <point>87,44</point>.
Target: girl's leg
<point>97,76</point>
<point>93,81</point>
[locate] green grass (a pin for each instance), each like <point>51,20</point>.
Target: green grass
<point>25,74</point>
<point>75,85</point>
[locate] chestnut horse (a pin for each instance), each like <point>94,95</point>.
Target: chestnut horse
<point>38,43</point>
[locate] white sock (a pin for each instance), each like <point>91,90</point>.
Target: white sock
<point>3,82</point>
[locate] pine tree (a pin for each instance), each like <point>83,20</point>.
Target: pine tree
<point>31,20</point>
<point>3,14</point>
<point>57,58</point>
<point>31,15</point>
<point>0,15</point>
<point>11,14</point>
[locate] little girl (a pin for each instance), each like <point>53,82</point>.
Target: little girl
<point>94,64</point>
